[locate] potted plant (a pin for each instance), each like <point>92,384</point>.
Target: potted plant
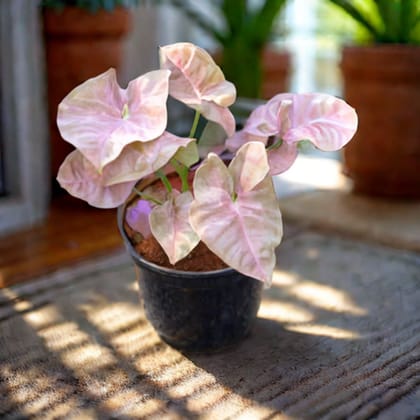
<point>82,38</point>
<point>243,31</point>
<point>382,81</point>
<point>202,225</point>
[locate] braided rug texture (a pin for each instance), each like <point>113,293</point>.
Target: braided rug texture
<point>338,336</point>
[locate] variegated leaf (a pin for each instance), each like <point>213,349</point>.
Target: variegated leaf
<point>239,223</point>
<point>100,119</point>
<point>199,83</point>
<point>170,226</point>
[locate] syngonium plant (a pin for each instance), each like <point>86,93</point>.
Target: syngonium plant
<point>120,138</point>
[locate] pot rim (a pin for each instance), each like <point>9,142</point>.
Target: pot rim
<point>158,268</point>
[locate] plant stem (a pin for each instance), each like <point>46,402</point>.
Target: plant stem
<point>164,180</point>
<point>194,125</point>
<point>147,196</point>
<point>275,145</point>
<point>182,171</point>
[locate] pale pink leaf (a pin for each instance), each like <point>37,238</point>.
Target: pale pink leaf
<point>328,122</point>
<point>268,119</point>
<point>137,217</point>
<point>219,115</point>
<point>199,83</point>
<point>100,119</point>
<point>212,180</point>
<point>82,180</point>
<point>138,160</point>
<point>242,227</point>
<point>242,137</point>
<point>170,226</point>
<point>282,158</point>
<point>249,167</point>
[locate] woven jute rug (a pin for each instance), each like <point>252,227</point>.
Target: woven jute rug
<point>338,336</point>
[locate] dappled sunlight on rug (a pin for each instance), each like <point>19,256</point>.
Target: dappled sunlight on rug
<point>338,335</point>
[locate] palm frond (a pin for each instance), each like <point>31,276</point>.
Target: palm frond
<point>349,8</point>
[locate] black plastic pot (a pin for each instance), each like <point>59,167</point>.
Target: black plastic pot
<point>196,311</point>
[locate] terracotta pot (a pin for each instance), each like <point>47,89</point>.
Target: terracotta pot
<point>196,311</point>
<point>78,45</point>
<point>383,84</point>
<point>276,69</point>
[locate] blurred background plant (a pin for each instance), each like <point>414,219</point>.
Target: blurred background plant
<point>383,21</point>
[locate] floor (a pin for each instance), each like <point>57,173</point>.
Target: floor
<point>337,336</point>
<point>73,232</point>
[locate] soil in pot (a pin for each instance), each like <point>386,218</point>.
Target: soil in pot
<point>199,260</point>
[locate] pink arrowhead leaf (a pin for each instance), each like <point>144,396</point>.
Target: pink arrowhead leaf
<point>138,160</point>
<point>235,211</point>
<point>170,226</point>
<point>100,119</point>
<point>282,157</point>
<point>82,180</point>
<point>112,186</point>
<point>234,143</point>
<point>269,119</point>
<point>249,167</point>
<point>326,121</point>
<point>199,83</point>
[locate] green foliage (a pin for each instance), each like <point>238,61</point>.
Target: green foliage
<point>386,21</point>
<point>91,5</point>
<point>240,20</point>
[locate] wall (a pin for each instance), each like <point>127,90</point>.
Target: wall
<point>24,128</point>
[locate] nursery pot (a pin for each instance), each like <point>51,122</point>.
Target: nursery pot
<point>382,83</point>
<point>195,311</point>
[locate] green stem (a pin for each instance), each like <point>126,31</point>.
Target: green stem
<point>182,171</point>
<point>147,197</point>
<point>275,145</point>
<point>164,180</point>
<point>194,125</point>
